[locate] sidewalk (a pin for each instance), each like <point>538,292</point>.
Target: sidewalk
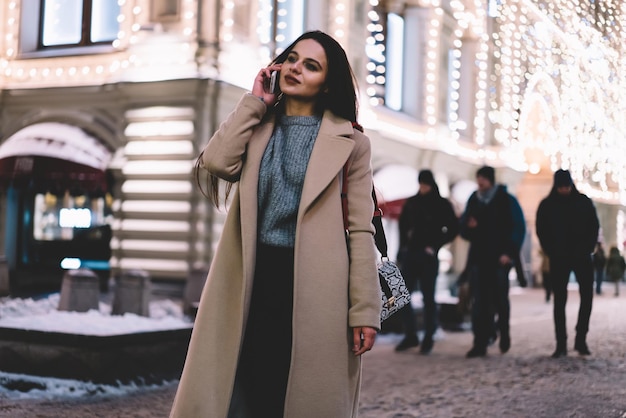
<point>525,382</point>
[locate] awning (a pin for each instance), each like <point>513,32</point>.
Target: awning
<point>54,157</point>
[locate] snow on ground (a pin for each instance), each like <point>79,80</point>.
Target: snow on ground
<point>42,315</point>
<point>21,386</point>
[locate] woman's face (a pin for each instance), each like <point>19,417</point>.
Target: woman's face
<point>303,74</point>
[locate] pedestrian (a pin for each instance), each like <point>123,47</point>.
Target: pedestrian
<point>615,267</point>
<point>490,223</point>
<point>427,222</point>
<point>567,227</point>
<point>545,274</point>
<point>291,301</point>
<point>599,263</point>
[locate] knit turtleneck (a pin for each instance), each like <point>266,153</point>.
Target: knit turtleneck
<point>281,177</point>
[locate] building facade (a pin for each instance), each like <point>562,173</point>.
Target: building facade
<point>104,107</point>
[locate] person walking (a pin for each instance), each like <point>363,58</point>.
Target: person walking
<point>427,222</point>
<point>567,227</point>
<point>489,222</point>
<point>599,264</point>
<point>291,301</point>
<point>615,267</point>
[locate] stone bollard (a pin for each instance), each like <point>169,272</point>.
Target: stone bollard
<point>80,291</point>
<point>193,290</point>
<point>5,286</point>
<point>132,293</point>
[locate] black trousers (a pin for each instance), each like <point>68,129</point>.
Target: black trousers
<point>420,270</point>
<point>560,270</point>
<point>489,287</point>
<point>265,357</point>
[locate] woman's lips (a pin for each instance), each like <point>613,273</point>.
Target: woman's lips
<point>291,79</point>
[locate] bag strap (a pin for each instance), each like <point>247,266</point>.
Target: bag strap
<point>379,236</point>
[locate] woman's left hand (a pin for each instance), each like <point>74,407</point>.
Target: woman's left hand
<point>261,83</point>
<point>363,339</point>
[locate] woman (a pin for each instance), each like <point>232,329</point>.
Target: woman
<point>286,314</point>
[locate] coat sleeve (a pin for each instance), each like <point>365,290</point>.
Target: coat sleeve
<point>466,232</point>
<point>223,156</point>
<point>519,224</point>
<point>364,287</point>
<point>450,224</point>
<point>541,227</point>
<point>592,224</point>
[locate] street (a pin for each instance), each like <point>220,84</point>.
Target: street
<point>525,382</point>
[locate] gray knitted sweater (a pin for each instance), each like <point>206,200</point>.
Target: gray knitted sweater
<point>281,177</point>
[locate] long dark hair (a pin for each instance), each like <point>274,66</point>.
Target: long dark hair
<point>339,97</point>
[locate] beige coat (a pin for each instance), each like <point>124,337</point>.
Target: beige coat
<point>331,291</point>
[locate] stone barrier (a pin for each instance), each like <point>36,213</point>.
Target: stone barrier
<point>193,289</point>
<point>132,293</point>
<point>80,291</point>
<point>5,286</point>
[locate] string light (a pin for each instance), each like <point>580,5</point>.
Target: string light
<point>36,73</point>
<point>432,67</point>
<point>375,50</point>
<point>569,54</point>
<point>563,56</point>
<point>339,21</point>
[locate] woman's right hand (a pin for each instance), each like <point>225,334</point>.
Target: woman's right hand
<point>261,82</point>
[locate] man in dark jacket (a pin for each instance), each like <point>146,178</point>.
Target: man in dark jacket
<point>567,228</point>
<point>490,224</point>
<point>427,222</point>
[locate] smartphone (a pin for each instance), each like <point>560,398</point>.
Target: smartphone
<point>274,87</point>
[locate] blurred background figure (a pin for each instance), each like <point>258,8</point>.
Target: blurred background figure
<point>599,262</point>
<point>567,228</point>
<point>427,222</point>
<point>490,224</point>
<point>615,267</point>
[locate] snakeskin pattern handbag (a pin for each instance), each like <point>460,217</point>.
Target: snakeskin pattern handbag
<point>395,294</point>
<point>394,290</point>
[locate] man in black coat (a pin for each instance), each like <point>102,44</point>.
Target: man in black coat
<point>490,223</point>
<point>427,222</point>
<point>567,228</point>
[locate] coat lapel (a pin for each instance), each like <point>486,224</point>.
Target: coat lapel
<point>330,151</point>
<point>248,191</point>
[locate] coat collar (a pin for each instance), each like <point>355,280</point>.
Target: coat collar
<point>331,150</point>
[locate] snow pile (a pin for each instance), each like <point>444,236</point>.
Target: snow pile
<point>20,386</point>
<point>42,315</point>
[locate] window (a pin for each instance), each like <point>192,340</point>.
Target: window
<point>69,23</point>
<point>54,28</point>
<point>63,218</point>
<point>396,50</point>
<point>414,65</point>
<point>258,30</point>
<point>272,23</point>
<point>394,61</point>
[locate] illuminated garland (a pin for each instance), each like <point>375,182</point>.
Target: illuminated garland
<point>569,54</point>
<point>564,57</point>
